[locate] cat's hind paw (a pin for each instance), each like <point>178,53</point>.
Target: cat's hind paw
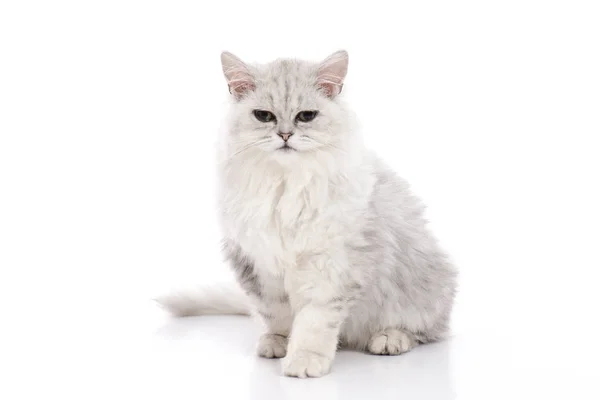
<point>391,341</point>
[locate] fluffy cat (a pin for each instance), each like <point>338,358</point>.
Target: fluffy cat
<point>328,244</point>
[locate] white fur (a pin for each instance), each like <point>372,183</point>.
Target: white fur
<point>391,341</point>
<point>272,346</point>
<point>213,300</point>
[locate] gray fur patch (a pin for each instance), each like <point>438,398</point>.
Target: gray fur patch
<point>243,268</point>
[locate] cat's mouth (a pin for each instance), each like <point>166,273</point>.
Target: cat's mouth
<point>286,148</point>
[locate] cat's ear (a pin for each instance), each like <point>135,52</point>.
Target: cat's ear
<point>331,73</point>
<point>238,76</point>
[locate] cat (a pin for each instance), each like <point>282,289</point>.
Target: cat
<point>329,245</point>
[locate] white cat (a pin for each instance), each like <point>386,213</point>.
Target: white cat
<point>328,244</point>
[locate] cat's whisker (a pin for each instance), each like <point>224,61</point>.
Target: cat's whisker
<point>328,145</point>
<point>249,146</point>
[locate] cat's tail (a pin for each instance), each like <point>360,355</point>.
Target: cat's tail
<point>204,301</point>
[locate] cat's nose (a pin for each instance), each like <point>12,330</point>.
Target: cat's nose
<point>285,136</point>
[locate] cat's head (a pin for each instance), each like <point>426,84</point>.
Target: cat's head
<point>286,109</point>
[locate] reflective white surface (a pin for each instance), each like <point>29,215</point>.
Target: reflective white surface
<point>152,356</point>
<point>200,354</point>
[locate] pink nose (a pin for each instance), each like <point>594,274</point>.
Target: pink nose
<point>285,136</point>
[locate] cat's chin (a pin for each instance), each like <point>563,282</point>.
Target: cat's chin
<point>286,155</point>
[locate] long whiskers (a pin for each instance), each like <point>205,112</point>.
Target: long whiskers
<point>323,144</point>
<point>249,146</point>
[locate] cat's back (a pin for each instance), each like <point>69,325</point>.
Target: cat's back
<point>392,198</point>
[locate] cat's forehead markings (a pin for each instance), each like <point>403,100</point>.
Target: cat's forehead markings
<point>288,85</point>
<point>283,83</point>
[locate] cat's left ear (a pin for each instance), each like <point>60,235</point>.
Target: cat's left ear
<point>332,72</point>
<point>238,76</point>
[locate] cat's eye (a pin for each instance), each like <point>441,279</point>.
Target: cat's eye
<point>264,116</point>
<point>306,116</point>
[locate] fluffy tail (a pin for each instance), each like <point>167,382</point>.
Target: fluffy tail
<point>210,300</point>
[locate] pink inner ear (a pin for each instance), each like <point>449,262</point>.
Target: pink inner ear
<point>329,82</point>
<point>239,87</point>
<point>332,72</point>
<point>238,77</point>
<point>330,89</point>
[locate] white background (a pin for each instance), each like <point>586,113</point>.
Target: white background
<point>109,112</point>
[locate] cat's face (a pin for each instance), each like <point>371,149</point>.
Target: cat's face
<point>286,108</point>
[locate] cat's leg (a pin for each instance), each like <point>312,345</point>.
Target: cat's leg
<point>392,341</point>
<point>320,291</point>
<point>270,301</point>
<point>277,318</point>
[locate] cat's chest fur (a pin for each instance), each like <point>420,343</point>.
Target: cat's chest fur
<point>276,216</point>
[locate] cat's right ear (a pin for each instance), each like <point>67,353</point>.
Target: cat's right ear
<point>238,76</point>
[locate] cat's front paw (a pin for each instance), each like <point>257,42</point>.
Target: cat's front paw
<point>272,346</point>
<point>306,364</point>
